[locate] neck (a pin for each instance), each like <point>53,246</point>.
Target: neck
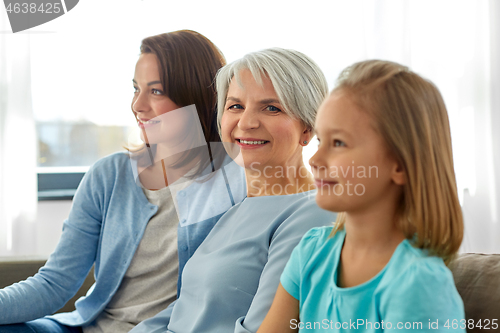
<point>175,150</point>
<point>161,172</point>
<point>375,227</point>
<point>278,180</point>
<point>372,233</point>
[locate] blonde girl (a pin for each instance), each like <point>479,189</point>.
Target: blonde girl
<point>385,161</point>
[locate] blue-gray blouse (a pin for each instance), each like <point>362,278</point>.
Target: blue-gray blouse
<point>230,282</point>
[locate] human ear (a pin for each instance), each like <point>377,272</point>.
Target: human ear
<point>398,174</point>
<point>306,136</point>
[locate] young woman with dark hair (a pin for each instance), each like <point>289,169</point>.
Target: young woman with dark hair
<point>139,216</point>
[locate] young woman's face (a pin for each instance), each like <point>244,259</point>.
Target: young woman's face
<point>254,120</point>
<point>151,106</point>
<point>353,168</point>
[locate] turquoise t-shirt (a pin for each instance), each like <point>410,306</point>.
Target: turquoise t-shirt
<point>413,292</point>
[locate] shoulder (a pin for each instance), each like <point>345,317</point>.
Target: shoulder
<point>301,211</point>
<point>113,162</point>
<point>417,261</point>
<point>314,255</point>
<point>295,215</point>
<point>302,256</point>
<point>316,238</point>
<point>317,235</point>
<point>414,273</point>
<point>301,204</point>
<point>419,287</point>
<point>111,167</point>
<point>107,173</point>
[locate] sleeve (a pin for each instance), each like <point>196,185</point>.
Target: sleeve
<point>157,323</point>
<point>424,295</point>
<point>286,237</point>
<point>291,276</point>
<point>65,270</point>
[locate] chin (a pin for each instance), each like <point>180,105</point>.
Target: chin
<point>249,162</point>
<point>328,203</point>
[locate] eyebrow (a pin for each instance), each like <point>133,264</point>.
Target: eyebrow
<point>150,83</point>
<point>333,131</point>
<point>264,101</point>
<point>337,131</point>
<point>229,98</point>
<point>270,101</point>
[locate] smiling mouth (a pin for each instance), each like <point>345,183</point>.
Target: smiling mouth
<point>148,122</point>
<point>261,142</point>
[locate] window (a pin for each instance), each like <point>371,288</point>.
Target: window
<point>81,77</point>
<point>82,65</point>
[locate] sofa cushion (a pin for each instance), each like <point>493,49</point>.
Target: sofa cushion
<point>477,277</point>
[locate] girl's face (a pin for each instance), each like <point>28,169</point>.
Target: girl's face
<point>150,105</point>
<point>254,120</point>
<point>353,168</point>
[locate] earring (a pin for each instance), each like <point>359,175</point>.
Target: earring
<point>305,142</point>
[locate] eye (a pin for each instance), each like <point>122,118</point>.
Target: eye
<point>156,92</point>
<point>338,143</point>
<point>136,90</point>
<point>235,106</point>
<point>272,108</point>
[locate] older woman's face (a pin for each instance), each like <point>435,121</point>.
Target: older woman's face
<point>254,120</point>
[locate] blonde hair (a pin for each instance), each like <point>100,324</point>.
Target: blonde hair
<point>411,116</point>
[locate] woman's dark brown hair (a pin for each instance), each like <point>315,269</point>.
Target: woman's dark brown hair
<point>188,63</point>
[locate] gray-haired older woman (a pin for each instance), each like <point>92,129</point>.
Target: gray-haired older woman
<point>267,103</point>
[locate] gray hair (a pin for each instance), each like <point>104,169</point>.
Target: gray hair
<point>298,81</point>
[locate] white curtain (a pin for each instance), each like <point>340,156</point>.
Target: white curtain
<point>18,186</point>
<point>482,205</point>
<point>495,120</point>
<point>455,44</point>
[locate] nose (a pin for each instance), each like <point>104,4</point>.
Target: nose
<point>316,161</point>
<point>249,119</point>
<point>140,103</point>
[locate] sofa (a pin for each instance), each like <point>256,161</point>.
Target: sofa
<point>477,277</point>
